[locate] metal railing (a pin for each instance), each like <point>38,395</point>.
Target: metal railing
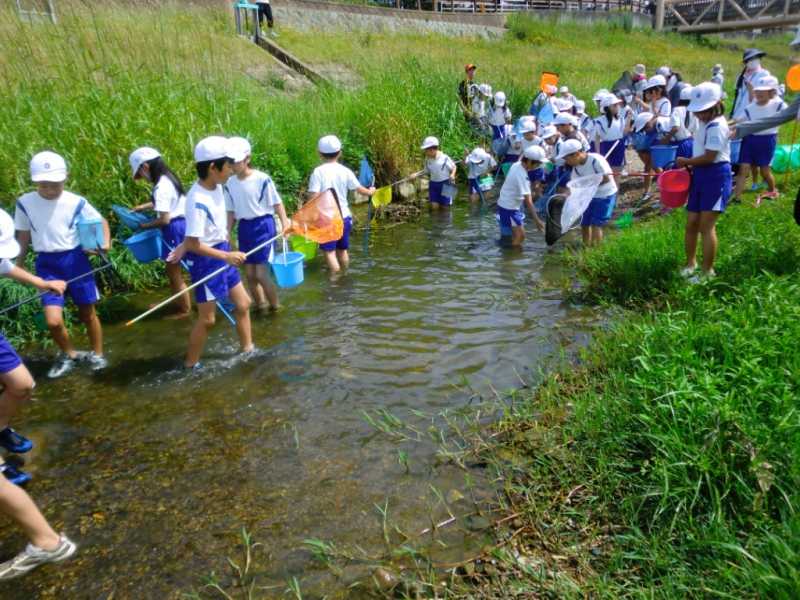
<point>506,6</point>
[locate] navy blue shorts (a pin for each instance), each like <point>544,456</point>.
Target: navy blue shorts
<point>498,132</point>
<point>685,148</point>
<point>758,150</point>
<point>218,286</point>
<point>510,218</point>
<point>710,189</point>
<point>472,184</point>
<point>9,359</point>
<point>343,243</point>
<point>172,235</point>
<point>511,158</point>
<point>253,232</point>
<point>536,175</point>
<point>67,265</point>
<point>435,193</point>
<point>617,157</point>
<point>599,211</point>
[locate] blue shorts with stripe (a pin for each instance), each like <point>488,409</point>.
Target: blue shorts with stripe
<point>218,286</point>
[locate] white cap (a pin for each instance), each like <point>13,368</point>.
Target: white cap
<point>665,71</point>
<point>140,156</point>
<point>565,119</point>
<point>641,120</point>
<point>500,99</point>
<point>477,156</point>
<point>563,104</point>
<point>548,131</point>
<point>717,68</point>
<point>600,94</point>
<point>9,248</point>
<point>655,81</point>
<point>580,105</point>
<point>766,83</point>
<point>536,153</point>
<point>686,92</point>
<point>639,69</point>
<point>704,96</point>
<point>563,90</point>
<point>48,166</point>
<point>609,100</point>
<point>239,148</point>
<point>430,142</point>
<point>329,144</point>
<point>485,89</point>
<point>527,125</point>
<point>796,40</point>
<point>569,147</point>
<point>211,148</point>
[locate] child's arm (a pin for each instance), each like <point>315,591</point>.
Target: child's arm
<point>532,211</point>
<point>161,220</point>
<point>144,206</point>
<point>22,276</point>
<point>195,246</point>
<point>281,210</point>
<point>24,240</point>
<point>231,221</point>
<point>698,161</point>
<point>106,235</point>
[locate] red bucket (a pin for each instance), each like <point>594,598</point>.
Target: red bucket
<point>674,187</point>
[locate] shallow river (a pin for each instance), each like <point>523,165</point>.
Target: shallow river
<point>154,472</point>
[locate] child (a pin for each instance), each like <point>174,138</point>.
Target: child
<point>599,210</point>
<point>169,202</point>
<point>331,174</point>
<point>516,190</point>
<point>49,218</point>
<point>718,75</point>
<point>645,134</point>
<point>567,126</point>
<point>527,136</point>
<point>681,126</point>
<point>478,163</point>
<point>655,97</point>
<point>440,168</point>
<point>479,101</point>
<point>610,133</point>
<point>499,115</point>
<point>207,249</point>
<point>758,149</point>
<point>543,98</point>
<point>585,122</point>
<point>564,93</point>
<point>252,200</point>
<point>711,177</point>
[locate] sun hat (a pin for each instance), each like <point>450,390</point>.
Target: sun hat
<point>563,90</point>
<point>639,69</point>
<point>477,156</point>
<point>536,153</point>
<point>664,70</point>
<point>430,142</point>
<point>140,156</point>
<point>211,148</point>
<point>239,148</point>
<point>641,120</point>
<point>565,119</point>
<point>569,147</point>
<point>796,40</point>
<point>704,96</point>
<point>548,131</point>
<point>500,99</point>
<point>599,94</point>
<point>655,81</point>
<point>751,53</point>
<point>686,92</point>
<point>580,105</point>
<point>329,144</point>
<point>563,104</point>
<point>48,166</point>
<point>766,83</point>
<point>485,89</point>
<point>9,248</point>
<point>717,68</point>
<point>609,100</point>
<point>527,125</point>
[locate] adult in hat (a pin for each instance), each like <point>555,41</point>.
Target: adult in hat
<point>466,86</point>
<point>751,71</point>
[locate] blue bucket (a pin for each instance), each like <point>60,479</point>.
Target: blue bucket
<point>145,245</point>
<point>90,232</point>
<point>288,269</point>
<point>663,156</point>
<point>736,148</point>
<point>130,219</point>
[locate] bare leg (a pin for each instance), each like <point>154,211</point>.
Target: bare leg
<point>645,156</point>
<point>741,180</point>
<point>18,505</point>
<point>690,238</point>
<point>586,234</point>
<point>254,284</point>
<point>708,229</point>
<point>333,262</point>
<point>242,303</point>
<point>54,317</point>
<point>88,316</point>
<point>267,286</point>
<point>517,236</point>
<point>176,284</point>
<point>597,235</point>
<point>343,257</point>
<point>766,173</point>
<point>17,389</point>
<point>206,316</point>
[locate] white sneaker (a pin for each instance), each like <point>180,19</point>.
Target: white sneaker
<point>95,361</point>
<point>32,557</point>
<point>64,364</point>
<point>687,272</point>
<point>701,277</point>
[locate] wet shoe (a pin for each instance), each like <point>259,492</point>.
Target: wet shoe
<point>95,361</point>
<point>14,442</point>
<point>687,272</point>
<point>14,475</point>
<point>33,557</point>
<point>195,368</point>
<point>63,365</point>
<point>702,277</point>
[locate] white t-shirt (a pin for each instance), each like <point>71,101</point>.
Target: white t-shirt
<point>439,168</point>
<point>713,136</point>
<point>167,199</point>
<point>515,188</point>
<point>206,217</point>
<point>337,176</point>
<point>662,107</point>
<point>743,97</point>
<point>678,119</point>
<point>574,135</point>
<point>53,223</point>
<point>597,165</point>
<point>663,125</point>
<point>606,132</point>
<point>475,170</point>
<point>755,111</point>
<point>520,144</point>
<point>251,197</point>
<point>499,115</point>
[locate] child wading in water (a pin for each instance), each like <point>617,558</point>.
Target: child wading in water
<point>207,249</point>
<point>169,202</point>
<point>333,175</point>
<point>48,218</point>
<point>478,163</point>
<point>516,190</point>
<point>711,178</point>
<point>252,200</point>
<point>599,210</point>
<point>441,169</point>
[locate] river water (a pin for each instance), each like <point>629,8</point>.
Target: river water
<point>155,472</point>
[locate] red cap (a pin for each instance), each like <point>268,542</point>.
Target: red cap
<point>469,67</point>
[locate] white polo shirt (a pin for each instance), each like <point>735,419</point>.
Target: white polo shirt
<point>499,115</point>
<point>337,176</point>
<point>662,107</point>
<point>439,168</point>
<point>678,119</point>
<point>596,164</point>
<point>755,111</point>
<point>53,224</point>
<point>713,136</point>
<point>206,217</point>
<point>606,132</point>
<point>515,188</point>
<point>166,199</point>
<point>251,197</point>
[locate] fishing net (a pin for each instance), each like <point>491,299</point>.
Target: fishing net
<point>319,219</point>
<point>552,226</point>
<point>581,192</point>
<point>382,196</point>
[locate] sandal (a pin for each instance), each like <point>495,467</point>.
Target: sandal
<point>767,195</point>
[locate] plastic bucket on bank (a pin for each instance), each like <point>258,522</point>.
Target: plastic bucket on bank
<point>90,232</point>
<point>288,269</point>
<point>736,148</point>
<point>674,187</point>
<point>486,183</point>
<point>145,245</point>
<point>307,248</point>
<point>663,156</point>
<point>130,219</point>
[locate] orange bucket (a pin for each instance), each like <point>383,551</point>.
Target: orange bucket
<point>674,187</point>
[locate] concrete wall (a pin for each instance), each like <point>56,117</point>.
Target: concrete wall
<point>638,20</point>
